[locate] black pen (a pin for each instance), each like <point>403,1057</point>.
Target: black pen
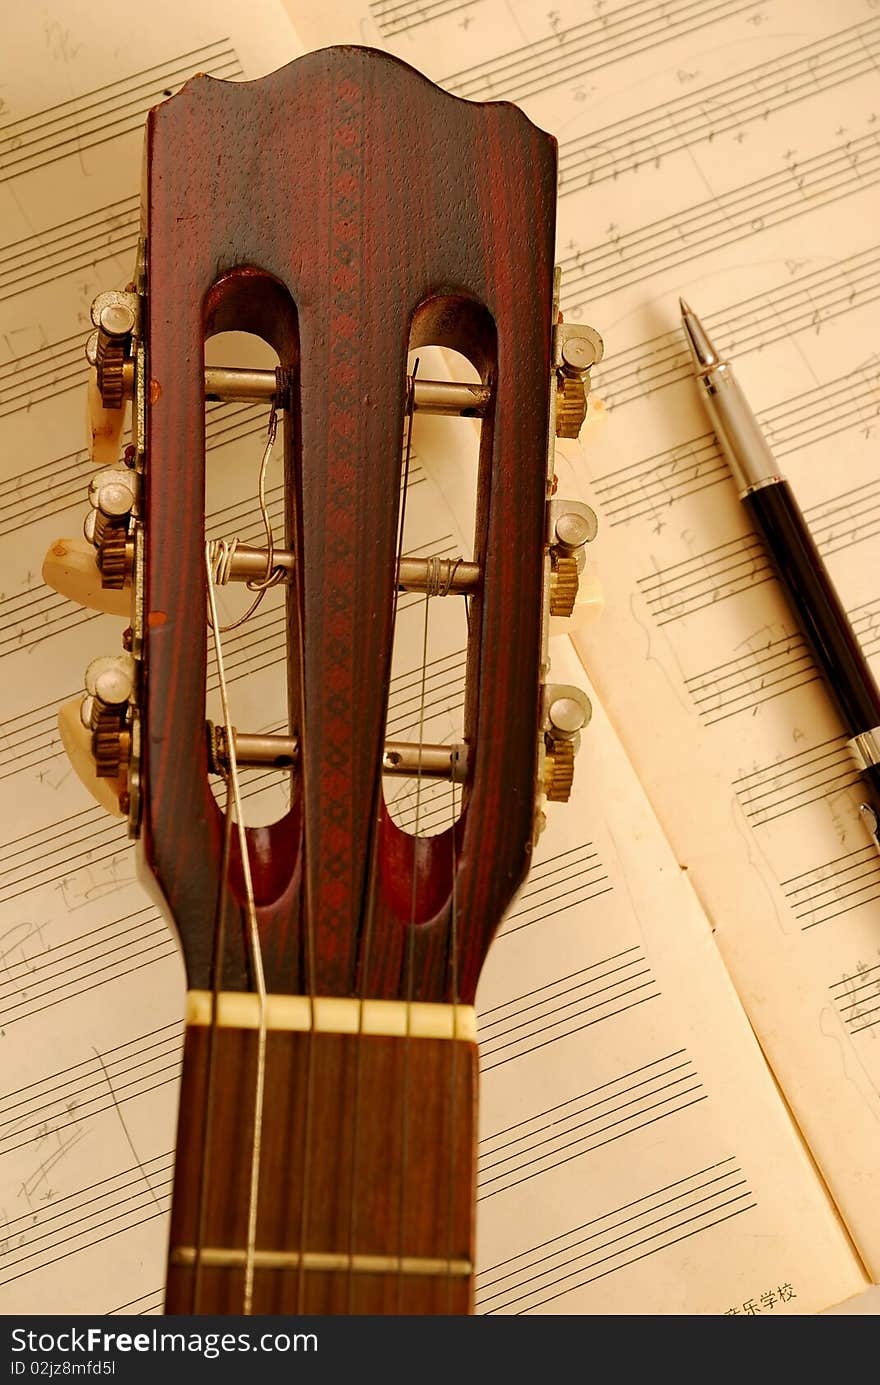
<point>770,499</point>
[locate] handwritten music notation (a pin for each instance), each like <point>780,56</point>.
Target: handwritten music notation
<point>568,56</point>
<point>705,113</point>
<point>87,962</point>
<point>807,303</point>
<point>106,113</point>
<point>662,249</point>
<point>821,772</point>
<point>857,998</point>
<point>394,17</point>
<point>825,893</point>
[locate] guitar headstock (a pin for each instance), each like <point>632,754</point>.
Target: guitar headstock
<point>346,211</point>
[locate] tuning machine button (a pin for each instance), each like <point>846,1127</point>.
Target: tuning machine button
<point>115,316</point>
<point>576,349</point>
<point>571,526</point>
<point>112,495</point>
<point>567,710</point>
<point>98,730</point>
<point>104,711</point>
<point>109,351</point>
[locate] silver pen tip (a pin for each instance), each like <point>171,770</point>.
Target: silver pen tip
<point>704,353</point>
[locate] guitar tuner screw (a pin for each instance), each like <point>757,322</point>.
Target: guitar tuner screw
<point>116,320</point>
<point>567,715</point>
<point>574,527</point>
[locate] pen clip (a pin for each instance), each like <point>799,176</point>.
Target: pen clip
<point>871,821</point>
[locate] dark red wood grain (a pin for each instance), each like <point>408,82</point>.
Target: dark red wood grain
<point>368,1148</point>
<point>343,208</point>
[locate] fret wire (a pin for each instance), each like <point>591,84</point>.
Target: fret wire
<point>254,947</point>
<point>233,1257</point>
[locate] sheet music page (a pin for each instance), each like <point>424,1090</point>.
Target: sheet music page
<point>635,1156</point>
<point>91,984</point>
<point>728,153</point>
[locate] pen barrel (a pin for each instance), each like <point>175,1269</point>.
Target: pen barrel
<point>813,596</point>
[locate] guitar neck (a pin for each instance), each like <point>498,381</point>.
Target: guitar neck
<point>367,1160</point>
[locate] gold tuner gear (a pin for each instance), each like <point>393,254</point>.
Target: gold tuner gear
<point>576,349</point>
<point>559,771</point>
<point>563,585</point>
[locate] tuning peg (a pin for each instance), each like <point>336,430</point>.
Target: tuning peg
<point>576,349</point>
<point>77,741</point>
<point>115,316</point>
<point>109,352</point>
<point>96,730</point>
<point>71,568</point>
<point>567,710</point>
<point>571,526</point>
<point>111,498</point>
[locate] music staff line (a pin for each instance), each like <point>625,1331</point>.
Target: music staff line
<point>570,55</point>
<point>691,584</point>
<point>646,490</point>
<point>700,115</point>
<point>615,1239</point>
<point>83,242</point>
<point>83,963</point>
<point>795,781</point>
<point>395,17</point>
<point>629,983</point>
<point>854,994</point>
<point>53,488</point>
<point>76,1221</point>
<point>145,1305</point>
<point>579,868</point>
<point>742,684</point>
<point>587,1122</point>
<point>768,666</point>
<point>803,304</point>
<point>824,893</point>
<point>78,953</point>
<point>726,219</point>
<point>722,1184</point>
<point>42,1109</point>
<point>97,117</point>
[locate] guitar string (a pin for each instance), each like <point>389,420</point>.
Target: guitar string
<point>409,965</point>
<point>454,1057</point>
<point>218,933</point>
<point>224,550</point>
<point>370,905</point>
<point>212,556</point>
<point>219,554</point>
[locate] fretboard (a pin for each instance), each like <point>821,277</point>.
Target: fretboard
<point>365,1198</point>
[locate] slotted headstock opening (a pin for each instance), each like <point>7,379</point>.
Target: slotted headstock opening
<point>438,582</point>
<point>245,494</point>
